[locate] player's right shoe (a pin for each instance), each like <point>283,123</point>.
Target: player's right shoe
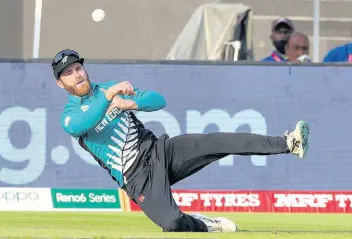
<point>217,224</point>
<point>297,140</point>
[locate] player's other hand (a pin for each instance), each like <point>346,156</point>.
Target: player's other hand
<point>122,104</point>
<point>122,88</point>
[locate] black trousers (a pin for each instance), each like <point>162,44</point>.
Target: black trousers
<point>173,159</point>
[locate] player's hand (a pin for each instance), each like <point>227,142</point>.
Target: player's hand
<point>122,88</point>
<point>122,104</point>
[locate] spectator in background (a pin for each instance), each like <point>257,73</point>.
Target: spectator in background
<point>297,48</point>
<point>280,31</point>
<point>340,54</point>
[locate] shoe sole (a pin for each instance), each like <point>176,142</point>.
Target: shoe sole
<point>304,131</point>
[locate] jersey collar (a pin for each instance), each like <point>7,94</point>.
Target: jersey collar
<point>282,56</point>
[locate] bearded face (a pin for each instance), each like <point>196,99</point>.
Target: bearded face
<point>74,79</point>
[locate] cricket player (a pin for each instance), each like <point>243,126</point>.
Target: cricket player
<point>101,118</point>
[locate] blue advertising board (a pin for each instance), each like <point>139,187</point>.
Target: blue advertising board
<point>36,152</point>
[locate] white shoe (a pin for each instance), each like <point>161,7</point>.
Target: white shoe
<point>297,140</point>
<point>217,224</point>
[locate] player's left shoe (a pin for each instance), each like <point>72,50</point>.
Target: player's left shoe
<point>217,224</point>
<point>297,140</point>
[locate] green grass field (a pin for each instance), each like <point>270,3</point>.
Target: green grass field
<point>136,225</point>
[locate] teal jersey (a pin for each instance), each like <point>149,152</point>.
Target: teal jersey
<point>112,137</point>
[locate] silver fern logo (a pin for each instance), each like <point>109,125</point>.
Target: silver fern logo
<point>84,108</point>
<point>64,60</point>
<point>125,149</point>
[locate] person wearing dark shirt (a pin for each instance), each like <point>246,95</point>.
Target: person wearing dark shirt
<point>280,32</point>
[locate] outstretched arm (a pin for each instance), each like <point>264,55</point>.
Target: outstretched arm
<point>140,100</point>
<point>146,100</point>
